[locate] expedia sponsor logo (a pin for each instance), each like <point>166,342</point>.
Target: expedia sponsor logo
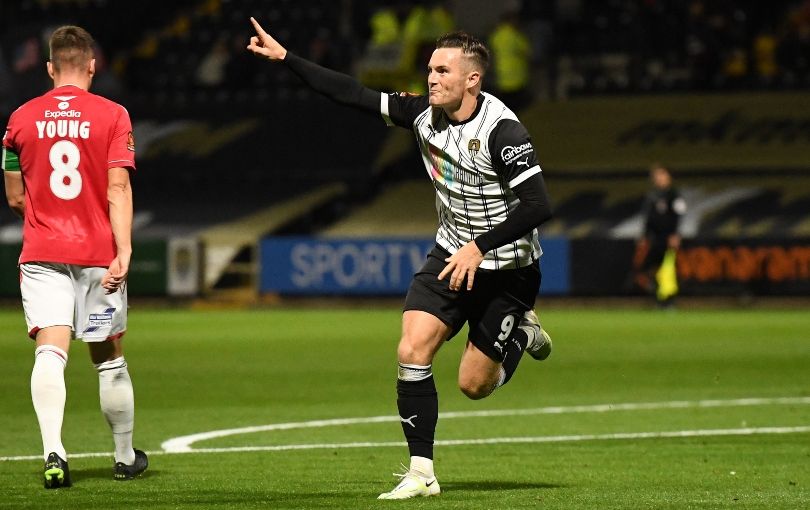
<point>50,114</point>
<point>511,153</point>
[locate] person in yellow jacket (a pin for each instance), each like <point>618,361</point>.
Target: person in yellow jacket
<point>511,53</point>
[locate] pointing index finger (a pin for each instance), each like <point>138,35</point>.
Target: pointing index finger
<point>259,29</point>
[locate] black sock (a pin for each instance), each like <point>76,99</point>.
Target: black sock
<point>418,405</point>
<point>514,352</point>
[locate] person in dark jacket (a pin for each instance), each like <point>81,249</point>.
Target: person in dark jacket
<point>662,210</point>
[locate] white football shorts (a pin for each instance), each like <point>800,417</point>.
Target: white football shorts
<point>55,294</point>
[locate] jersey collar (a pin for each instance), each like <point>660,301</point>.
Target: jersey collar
<point>68,85</point>
<point>479,102</point>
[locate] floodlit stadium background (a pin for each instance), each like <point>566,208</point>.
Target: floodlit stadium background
<point>233,152</point>
<point>281,231</point>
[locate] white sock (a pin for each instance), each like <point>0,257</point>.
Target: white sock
<point>422,466</point>
<point>501,378</point>
<point>48,395</point>
<point>118,405</point>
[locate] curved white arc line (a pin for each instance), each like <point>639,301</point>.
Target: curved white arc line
<point>183,443</point>
<point>747,431</point>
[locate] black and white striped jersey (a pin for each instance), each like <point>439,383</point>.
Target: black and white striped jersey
<point>473,165</point>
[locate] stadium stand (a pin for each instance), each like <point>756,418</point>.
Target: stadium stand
<point>213,124</point>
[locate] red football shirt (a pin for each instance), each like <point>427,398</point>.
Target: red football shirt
<point>66,141</point>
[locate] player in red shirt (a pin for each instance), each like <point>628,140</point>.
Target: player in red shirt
<point>67,156</point>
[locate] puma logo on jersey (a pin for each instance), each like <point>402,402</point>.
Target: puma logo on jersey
<point>524,162</point>
<point>409,421</point>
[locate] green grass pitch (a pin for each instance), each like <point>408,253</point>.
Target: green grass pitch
<point>200,371</point>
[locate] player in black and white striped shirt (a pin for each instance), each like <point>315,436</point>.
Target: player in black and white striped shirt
<point>491,197</point>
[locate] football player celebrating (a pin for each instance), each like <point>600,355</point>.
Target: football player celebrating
<point>491,197</point>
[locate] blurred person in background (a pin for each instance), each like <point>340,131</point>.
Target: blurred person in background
<point>657,248</point>
<point>484,269</point>
<point>67,156</point>
<point>402,36</point>
<point>511,56</point>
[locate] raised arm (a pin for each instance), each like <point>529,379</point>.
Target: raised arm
<point>336,86</point>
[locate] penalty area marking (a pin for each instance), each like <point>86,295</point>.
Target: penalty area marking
<point>183,444</point>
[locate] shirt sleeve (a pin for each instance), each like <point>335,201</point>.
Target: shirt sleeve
<point>398,109</point>
<point>338,87</point>
<point>533,210</point>
<point>11,155</point>
<point>121,152</point>
<point>402,108</point>
<point>513,155</point>
<point>513,158</point>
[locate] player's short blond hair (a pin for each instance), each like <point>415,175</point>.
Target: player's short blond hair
<point>71,47</point>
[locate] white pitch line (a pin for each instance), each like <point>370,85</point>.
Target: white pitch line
<point>183,443</point>
<point>748,431</point>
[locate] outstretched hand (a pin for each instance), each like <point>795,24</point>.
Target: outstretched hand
<point>263,45</point>
<point>462,265</point>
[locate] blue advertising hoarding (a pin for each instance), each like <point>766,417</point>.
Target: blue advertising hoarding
<point>555,266</point>
<point>378,266</point>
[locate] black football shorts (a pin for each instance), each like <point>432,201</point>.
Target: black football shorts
<point>493,308</point>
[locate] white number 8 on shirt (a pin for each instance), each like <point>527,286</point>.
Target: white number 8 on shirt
<point>66,181</point>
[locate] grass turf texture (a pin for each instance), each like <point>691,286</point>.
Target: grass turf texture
<point>198,371</point>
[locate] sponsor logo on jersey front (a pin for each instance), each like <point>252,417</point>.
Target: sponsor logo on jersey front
<point>448,172</point>
<point>510,153</point>
<point>467,177</point>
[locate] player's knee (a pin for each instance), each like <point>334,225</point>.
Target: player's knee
<point>409,351</point>
<point>405,351</point>
<point>475,388</point>
<point>101,352</point>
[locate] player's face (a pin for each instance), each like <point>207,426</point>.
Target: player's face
<point>448,73</point>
